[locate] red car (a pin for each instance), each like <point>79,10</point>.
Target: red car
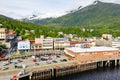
<point>2,56</point>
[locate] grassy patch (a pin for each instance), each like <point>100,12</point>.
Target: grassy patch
<point>19,55</point>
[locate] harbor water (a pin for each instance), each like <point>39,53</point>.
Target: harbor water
<point>97,74</point>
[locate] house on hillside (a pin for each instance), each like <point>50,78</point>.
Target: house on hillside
<point>11,35</point>
<point>107,36</point>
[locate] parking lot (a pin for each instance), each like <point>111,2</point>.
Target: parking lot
<point>31,61</point>
<point>16,65</point>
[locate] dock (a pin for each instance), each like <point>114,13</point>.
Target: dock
<point>55,70</point>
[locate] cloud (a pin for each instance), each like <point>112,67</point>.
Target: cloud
<point>23,8</point>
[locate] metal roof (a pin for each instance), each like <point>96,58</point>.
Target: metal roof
<point>92,49</point>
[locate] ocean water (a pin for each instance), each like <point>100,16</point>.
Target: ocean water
<point>97,74</point>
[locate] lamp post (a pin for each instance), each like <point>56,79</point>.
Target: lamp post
<point>9,55</point>
<point>34,50</point>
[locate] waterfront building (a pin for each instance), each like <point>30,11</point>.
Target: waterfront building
<point>83,40</point>
<point>45,43</point>
<point>32,43</point>
<point>116,44</point>
<point>86,52</point>
<point>103,42</point>
<point>61,43</point>
<point>23,46</point>
<point>35,46</point>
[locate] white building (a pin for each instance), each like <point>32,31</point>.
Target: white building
<point>107,36</point>
<point>116,44</point>
<point>23,46</point>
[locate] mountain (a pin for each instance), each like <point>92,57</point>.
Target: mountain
<point>2,17</point>
<point>19,27</point>
<point>98,14</point>
<point>36,20</point>
<point>16,25</point>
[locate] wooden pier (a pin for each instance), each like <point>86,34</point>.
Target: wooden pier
<point>68,68</point>
<point>73,69</point>
<point>42,74</point>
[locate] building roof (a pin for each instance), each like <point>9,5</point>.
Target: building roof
<point>59,39</point>
<point>11,32</point>
<point>92,49</point>
<point>74,42</point>
<point>32,40</point>
<point>24,41</point>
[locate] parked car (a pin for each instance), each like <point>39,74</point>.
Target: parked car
<point>2,56</point>
<point>58,56</point>
<point>63,60</point>
<point>5,63</point>
<point>18,66</point>
<point>15,62</point>
<point>36,64</point>
<point>43,59</point>
<point>5,68</point>
<point>49,58</point>
<point>54,61</point>
<point>19,60</point>
<point>46,55</point>
<point>48,62</point>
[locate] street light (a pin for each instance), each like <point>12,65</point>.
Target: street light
<point>34,51</point>
<point>9,55</point>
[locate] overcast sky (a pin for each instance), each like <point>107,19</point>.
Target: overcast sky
<point>45,8</point>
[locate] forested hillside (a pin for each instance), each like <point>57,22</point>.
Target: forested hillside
<point>96,15</point>
<point>101,18</point>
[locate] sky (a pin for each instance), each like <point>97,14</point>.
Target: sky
<point>18,9</point>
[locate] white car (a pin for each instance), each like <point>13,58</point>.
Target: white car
<point>5,63</point>
<point>5,68</point>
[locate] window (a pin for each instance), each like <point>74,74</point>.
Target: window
<point>23,46</point>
